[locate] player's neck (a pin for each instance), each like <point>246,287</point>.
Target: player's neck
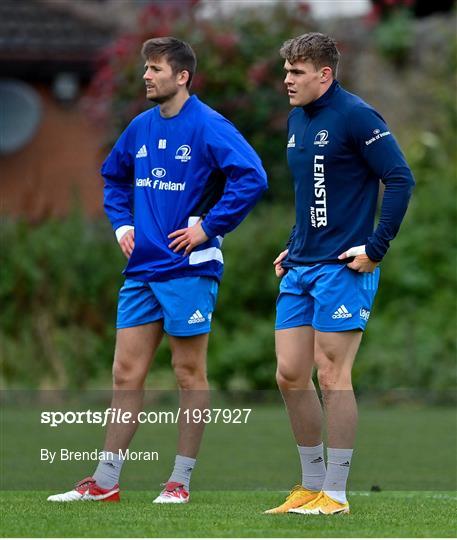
<point>174,105</point>
<point>323,88</point>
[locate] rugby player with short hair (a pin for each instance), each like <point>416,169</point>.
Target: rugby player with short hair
<point>338,150</point>
<point>178,179</point>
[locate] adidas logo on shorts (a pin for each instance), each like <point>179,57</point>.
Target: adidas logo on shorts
<point>197,317</point>
<point>342,313</point>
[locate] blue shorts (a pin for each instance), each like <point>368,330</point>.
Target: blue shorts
<point>185,304</point>
<point>328,297</point>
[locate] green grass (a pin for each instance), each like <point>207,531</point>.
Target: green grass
<point>401,448</point>
<point>228,514</point>
<point>409,451</point>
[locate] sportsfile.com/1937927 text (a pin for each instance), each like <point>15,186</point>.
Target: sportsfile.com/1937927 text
<point>118,416</point>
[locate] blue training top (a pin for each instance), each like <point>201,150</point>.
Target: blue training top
<point>338,149</point>
<point>165,173</point>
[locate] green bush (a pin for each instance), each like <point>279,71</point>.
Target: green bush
<point>395,36</point>
<point>240,73</point>
<point>241,351</point>
<point>411,340</point>
<point>58,290</point>
<point>59,281</point>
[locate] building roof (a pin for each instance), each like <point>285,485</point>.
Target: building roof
<point>35,30</point>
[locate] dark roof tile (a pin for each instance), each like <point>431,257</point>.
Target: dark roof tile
<point>31,28</point>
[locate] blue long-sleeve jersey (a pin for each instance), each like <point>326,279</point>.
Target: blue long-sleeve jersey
<point>165,173</point>
<point>338,149</point>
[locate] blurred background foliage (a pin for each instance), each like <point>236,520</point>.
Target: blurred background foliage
<point>59,282</point>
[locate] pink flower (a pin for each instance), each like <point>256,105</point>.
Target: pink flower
<point>226,42</point>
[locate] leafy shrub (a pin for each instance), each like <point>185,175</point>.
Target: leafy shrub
<point>58,295</point>
<point>411,339</point>
<point>240,73</point>
<point>59,291</point>
<point>59,282</point>
<point>395,37</point>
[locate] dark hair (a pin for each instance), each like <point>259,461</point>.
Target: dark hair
<point>178,54</point>
<point>313,47</point>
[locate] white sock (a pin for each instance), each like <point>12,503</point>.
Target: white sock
<point>182,470</point>
<point>312,466</point>
<point>338,464</point>
<point>108,471</point>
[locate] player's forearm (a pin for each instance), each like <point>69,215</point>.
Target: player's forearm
<point>394,205</point>
<point>118,204</point>
<point>235,204</point>
<point>291,237</point>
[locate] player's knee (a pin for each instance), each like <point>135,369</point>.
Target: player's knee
<point>287,378</point>
<point>190,377</point>
<point>332,377</point>
<point>125,375</point>
<point>327,377</point>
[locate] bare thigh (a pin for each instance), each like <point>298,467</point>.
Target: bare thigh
<point>334,356</point>
<point>295,356</point>
<point>135,349</point>
<point>189,360</point>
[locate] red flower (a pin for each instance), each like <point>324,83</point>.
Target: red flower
<point>304,7</point>
<point>227,42</point>
<point>372,18</point>
<point>259,72</point>
<point>198,82</point>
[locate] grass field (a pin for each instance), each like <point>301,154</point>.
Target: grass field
<point>409,451</point>
<point>228,514</point>
<point>400,448</point>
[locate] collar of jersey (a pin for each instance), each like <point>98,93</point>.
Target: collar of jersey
<point>323,100</point>
<point>187,105</point>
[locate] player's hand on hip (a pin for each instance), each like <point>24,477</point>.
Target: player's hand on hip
<point>279,270</point>
<point>361,262</point>
<point>127,243</point>
<point>188,238</point>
